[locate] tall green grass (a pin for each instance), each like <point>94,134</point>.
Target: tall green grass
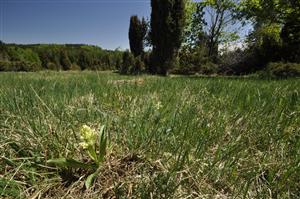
<point>213,137</point>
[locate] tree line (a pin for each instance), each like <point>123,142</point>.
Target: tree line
<point>204,37</point>
<point>15,57</point>
<point>185,37</point>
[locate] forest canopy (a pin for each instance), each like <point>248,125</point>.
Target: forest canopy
<point>36,57</point>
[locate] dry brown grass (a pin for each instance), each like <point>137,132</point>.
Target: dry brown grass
<point>118,174</point>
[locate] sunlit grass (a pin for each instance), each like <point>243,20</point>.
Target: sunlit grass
<point>191,137</point>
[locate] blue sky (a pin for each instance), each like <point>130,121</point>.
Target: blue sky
<point>98,22</point>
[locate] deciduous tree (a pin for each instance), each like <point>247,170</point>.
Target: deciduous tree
<point>220,15</point>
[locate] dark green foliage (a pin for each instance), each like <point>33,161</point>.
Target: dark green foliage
<point>65,61</point>
<point>264,45</point>
<point>275,36</point>
<point>84,59</point>
<point>290,35</point>
<point>192,59</point>
<point>127,63</point>
<point>268,43</point>
<point>234,62</point>
<point>241,62</point>
<point>196,35</point>
<point>138,66</point>
<point>137,34</point>
<point>167,27</point>
<point>57,57</point>
<point>52,66</point>
<point>2,47</point>
<point>19,66</point>
<point>76,67</point>
<point>4,65</point>
<point>146,60</point>
<point>131,65</point>
<point>3,51</point>
<point>118,64</point>
<point>283,70</point>
<point>23,55</point>
<point>209,68</point>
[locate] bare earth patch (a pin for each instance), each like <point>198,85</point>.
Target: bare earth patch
<point>138,81</point>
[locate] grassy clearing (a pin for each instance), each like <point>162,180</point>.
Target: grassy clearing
<point>176,137</point>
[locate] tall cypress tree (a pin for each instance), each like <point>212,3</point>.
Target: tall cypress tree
<point>167,27</point>
<point>137,34</point>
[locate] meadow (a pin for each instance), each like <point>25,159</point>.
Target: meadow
<point>168,137</point>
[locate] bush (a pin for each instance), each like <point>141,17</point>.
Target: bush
<point>75,67</point>
<point>118,64</point>
<point>283,70</point>
<point>195,60</point>
<point>138,66</point>
<point>30,67</point>
<point>53,66</point>
<point>231,61</point>
<point>127,63</point>
<point>192,60</point>
<point>263,46</point>
<point>241,62</point>
<point>209,68</point>
<point>146,60</point>
<point>19,66</point>
<point>4,65</point>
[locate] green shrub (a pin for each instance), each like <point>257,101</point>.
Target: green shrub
<point>75,67</point>
<point>209,68</point>
<point>283,70</point>
<point>138,66</point>
<point>4,65</point>
<point>118,64</point>
<point>146,60</point>
<point>26,66</point>
<point>205,69</point>
<point>19,66</point>
<point>127,63</point>
<point>191,60</point>
<point>53,66</point>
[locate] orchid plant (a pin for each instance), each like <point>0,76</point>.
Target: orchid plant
<point>95,144</point>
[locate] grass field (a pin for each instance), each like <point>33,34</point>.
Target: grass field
<point>174,137</point>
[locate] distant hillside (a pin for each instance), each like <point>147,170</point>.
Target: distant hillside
<point>33,57</point>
